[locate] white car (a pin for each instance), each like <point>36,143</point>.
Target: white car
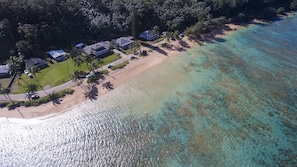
<point>109,65</point>
<point>91,74</point>
<point>26,72</point>
<point>132,57</point>
<point>30,75</point>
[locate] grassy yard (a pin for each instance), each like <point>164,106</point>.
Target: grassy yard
<point>4,82</point>
<point>56,73</point>
<point>110,59</point>
<point>129,51</point>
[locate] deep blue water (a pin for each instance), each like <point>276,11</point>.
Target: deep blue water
<point>230,102</point>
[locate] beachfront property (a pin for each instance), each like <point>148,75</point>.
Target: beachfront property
<point>4,71</point>
<point>32,63</point>
<point>58,55</point>
<point>124,42</point>
<point>97,49</point>
<point>149,35</point>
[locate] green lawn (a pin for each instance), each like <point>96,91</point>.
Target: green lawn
<point>110,59</point>
<point>130,50</point>
<point>4,82</point>
<point>57,73</point>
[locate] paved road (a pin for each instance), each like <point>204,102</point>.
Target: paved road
<point>21,97</point>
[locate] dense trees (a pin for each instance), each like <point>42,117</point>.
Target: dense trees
<point>33,26</point>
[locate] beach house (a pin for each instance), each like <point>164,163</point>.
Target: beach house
<point>149,35</point>
<point>124,42</point>
<point>97,49</point>
<point>4,71</point>
<point>58,55</point>
<point>32,63</point>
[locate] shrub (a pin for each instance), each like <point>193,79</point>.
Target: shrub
<point>293,5</point>
<point>280,10</point>
<point>104,72</point>
<point>12,105</point>
<point>3,104</point>
<point>269,13</point>
<point>122,65</point>
<point>48,98</point>
<point>92,79</point>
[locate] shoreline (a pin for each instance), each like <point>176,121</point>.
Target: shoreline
<point>120,76</point>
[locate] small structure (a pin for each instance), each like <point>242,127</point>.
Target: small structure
<point>4,71</point>
<point>58,55</point>
<point>124,42</point>
<point>97,49</point>
<point>79,45</point>
<point>32,63</point>
<point>149,35</point>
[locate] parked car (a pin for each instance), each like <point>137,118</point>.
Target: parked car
<point>34,97</point>
<point>181,35</point>
<point>26,72</point>
<point>132,57</point>
<point>109,65</point>
<point>30,75</point>
<point>91,74</point>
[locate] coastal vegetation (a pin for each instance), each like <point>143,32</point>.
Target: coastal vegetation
<point>51,97</point>
<point>34,26</point>
<point>119,66</point>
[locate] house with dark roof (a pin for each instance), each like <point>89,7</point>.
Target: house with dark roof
<point>149,35</point>
<point>4,71</point>
<point>58,55</point>
<point>32,63</point>
<point>124,42</point>
<point>97,49</point>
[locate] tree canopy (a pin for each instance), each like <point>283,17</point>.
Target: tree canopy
<point>33,26</point>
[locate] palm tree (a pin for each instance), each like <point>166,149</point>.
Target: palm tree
<point>134,46</point>
<point>156,29</point>
<point>15,63</point>
<point>78,61</point>
<point>34,72</point>
<point>75,77</point>
<point>176,35</point>
<point>92,66</point>
<point>67,64</point>
<point>76,57</point>
<point>5,93</point>
<point>169,35</point>
<point>169,25</point>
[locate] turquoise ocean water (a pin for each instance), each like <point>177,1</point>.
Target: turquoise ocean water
<point>231,102</point>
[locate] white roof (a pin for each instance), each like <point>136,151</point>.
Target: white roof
<point>56,53</point>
